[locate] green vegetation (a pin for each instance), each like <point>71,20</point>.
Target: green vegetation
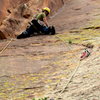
<point>70,41</point>
<point>45,98</point>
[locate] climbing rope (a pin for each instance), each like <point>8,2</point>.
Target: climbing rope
<point>70,79</point>
<point>6,46</point>
<point>74,72</point>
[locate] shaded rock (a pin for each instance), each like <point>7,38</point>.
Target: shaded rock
<point>88,45</point>
<point>9,28</point>
<point>92,27</point>
<point>9,11</point>
<point>2,36</point>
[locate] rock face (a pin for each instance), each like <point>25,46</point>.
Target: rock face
<point>3,6</point>
<point>41,66</point>
<point>7,5</point>
<point>14,14</point>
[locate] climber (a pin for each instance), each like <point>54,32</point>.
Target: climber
<point>40,20</point>
<point>39,25</point>
<point>43,16</point>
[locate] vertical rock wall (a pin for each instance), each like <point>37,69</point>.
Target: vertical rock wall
<point>14,14</point>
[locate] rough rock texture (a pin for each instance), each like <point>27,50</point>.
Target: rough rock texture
<point>14,14</point>
<point>41,66</point>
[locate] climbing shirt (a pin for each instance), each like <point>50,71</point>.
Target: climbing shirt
<point>40,16</point>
